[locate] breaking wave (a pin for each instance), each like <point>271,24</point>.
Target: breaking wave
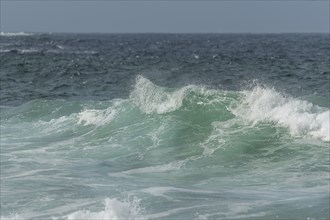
<point>302,118</point>
<point>195,105</point>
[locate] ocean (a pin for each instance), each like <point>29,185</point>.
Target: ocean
<point>165,126</point>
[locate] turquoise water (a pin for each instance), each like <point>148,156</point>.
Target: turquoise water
<point>167,153</point>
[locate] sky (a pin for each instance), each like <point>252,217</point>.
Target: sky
<point>245,16</point>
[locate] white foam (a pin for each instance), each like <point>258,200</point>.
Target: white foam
<point>162,215</point>
<point>11,34</point>
<point>302,118</point>
<point>154,99</point>
<point>97,117</point>
<point>114,209</point>
<point>172,166</point>
<point>12,217</point>
<point>151,98</point>
<point>162,190</point>
<point>55,125</point>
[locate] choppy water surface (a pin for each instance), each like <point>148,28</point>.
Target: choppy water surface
<point>147,126</point>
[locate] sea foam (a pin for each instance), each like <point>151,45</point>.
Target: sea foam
<point>96,117</point>
<point>302,118</point>
<point>154,99</point>
<point>114,209</point>
<point>100,117</point>
<point>12,217</point>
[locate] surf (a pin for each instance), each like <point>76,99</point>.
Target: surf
<point>171,145</point>
<point>192,104</point>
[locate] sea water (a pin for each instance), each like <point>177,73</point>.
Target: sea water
<point>164,126</point>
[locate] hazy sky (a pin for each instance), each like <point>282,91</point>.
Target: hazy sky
<point>164,16</point>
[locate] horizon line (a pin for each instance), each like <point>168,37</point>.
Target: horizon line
<point>152,32</point>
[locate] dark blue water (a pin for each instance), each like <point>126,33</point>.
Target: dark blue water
<point>102,67</point>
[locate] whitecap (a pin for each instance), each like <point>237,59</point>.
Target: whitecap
<point>99,117</point>
<point>154,99</point>
<point>113,209</point>
<point>302,118</point>
<point>96,117</point>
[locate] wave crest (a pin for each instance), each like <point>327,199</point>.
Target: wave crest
<point>154,99</point>
<point>302,118</point>
<point>96,117</point>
